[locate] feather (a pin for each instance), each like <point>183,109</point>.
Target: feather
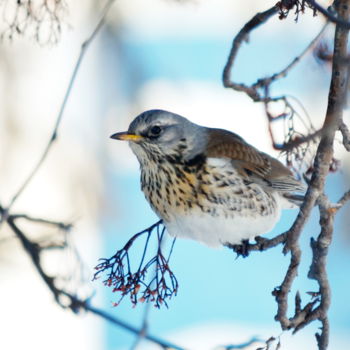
<point>251,163</point>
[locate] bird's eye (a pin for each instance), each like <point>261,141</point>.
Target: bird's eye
<point>155,130</point>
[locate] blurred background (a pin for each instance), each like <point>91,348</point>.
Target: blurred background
<point>150,54</point>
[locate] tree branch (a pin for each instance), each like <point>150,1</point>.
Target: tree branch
<point>284,72</point>
<point>260,91</point>
<point>242,36</point>
<point>322,163</point>
<point>58,224</point>
<point>253,90</point>
<point>317,308</point>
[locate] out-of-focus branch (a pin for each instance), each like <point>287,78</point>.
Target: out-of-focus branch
<point>31,16</point>
<point>34,250</point>
<point>53,138</point>
<point>64,298</point>
<point>58,224</point>
<point>246,345</point>
<point>144,327</point>
<point>124,325</point>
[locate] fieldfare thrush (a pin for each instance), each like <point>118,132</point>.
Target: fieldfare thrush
<point>208,184</point>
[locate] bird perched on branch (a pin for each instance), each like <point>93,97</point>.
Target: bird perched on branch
<point>208,184</point>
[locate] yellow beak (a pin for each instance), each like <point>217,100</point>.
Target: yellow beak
<point>125,136</point>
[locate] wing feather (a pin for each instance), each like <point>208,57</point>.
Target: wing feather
<point>250,162</point>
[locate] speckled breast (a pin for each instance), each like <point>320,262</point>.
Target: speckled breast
<point>175,189</point>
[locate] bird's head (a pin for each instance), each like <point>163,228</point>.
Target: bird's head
<point>159,134</point>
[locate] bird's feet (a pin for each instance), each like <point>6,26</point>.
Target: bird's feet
<point>241,249</point>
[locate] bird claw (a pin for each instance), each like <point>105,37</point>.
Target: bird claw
<point>241,249</point>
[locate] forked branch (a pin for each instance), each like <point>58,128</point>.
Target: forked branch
<point>317,307</point>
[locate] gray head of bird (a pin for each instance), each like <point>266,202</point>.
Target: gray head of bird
<point>157,134</point>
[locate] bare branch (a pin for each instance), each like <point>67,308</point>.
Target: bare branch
<point>61,225</point>
<point>317,308</point>
<point>321,168</point>
<point>241,37</point>
<point>260,92</point>
<point>261,244</point>
<point>343,200</point>
<point>253,90</point>
<point>297,141</point>
<point>284,72</point>
<point>331,16</point>
<point>54,134</point>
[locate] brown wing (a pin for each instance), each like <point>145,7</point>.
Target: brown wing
<point>248,161</point>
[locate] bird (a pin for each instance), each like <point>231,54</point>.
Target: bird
<point>208,184</point>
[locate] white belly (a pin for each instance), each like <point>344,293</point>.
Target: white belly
<point>217,231</point>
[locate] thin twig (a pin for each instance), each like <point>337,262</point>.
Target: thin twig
<point>343,200</point>
<point>289,146</point>
<point>243,346</point>
<point>162,343</point>
<point>346,135</point>
<point>54,134</point>
<point>59,224</point>
<point>147,307</point>
<point>242,36</point>
<point>144,327</point>
<point>283,73</point>
<point>329,15</point>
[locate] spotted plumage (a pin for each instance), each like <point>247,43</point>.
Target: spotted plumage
<point>207,184</point>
